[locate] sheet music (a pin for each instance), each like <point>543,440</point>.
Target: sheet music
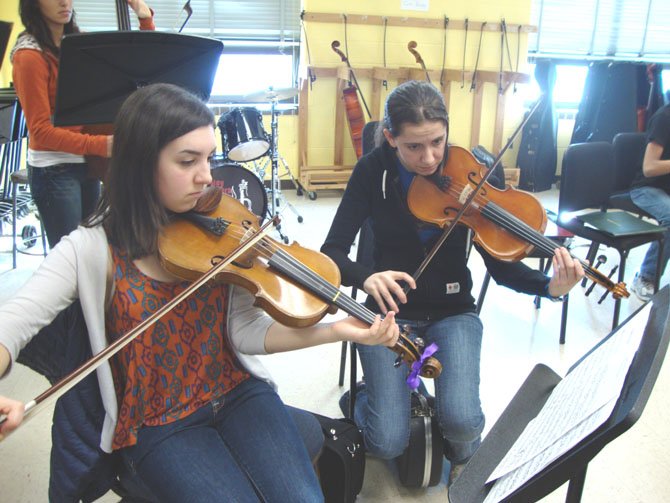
<point>578,405</point>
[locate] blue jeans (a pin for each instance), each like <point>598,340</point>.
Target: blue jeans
<point>656,202</point>
<point>382,410</point>
<point>241,447</point>
<point>64,197</point>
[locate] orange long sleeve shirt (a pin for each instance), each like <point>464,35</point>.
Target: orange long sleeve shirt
<point>35,74</point>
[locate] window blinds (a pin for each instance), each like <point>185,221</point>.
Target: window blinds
<point>601,29</point>
<point>275,21</point>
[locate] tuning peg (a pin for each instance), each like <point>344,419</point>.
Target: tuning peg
<point>600,260</point>
<point>614,269</point>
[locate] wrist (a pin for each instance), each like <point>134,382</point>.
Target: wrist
<point>332,333</point>
<point>145,13</point>
<point>554,298</point>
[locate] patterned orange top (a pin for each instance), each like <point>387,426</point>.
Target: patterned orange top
<point>175,366</point>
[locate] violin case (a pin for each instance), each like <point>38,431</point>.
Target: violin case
<point>421,463</point>
<point>341,465</point>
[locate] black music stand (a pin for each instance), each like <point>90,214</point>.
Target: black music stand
<point>98,71</point>
<point>5,32</point>
<point>471,487</point>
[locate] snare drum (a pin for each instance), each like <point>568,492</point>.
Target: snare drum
<point>243,185</point>
<point>242,134</point>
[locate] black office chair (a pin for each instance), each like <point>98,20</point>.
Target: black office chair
<point>587,183</point>
<point>628,154</point>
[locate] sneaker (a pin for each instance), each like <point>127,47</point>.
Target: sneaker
<point>346,398</point>
<point>643,288</point>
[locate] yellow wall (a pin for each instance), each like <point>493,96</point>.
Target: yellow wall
<point>365,44</point>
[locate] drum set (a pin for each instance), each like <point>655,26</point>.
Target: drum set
<point>244,140</point>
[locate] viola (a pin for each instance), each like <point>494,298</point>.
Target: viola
<point>507,223</point>
<point>296,286</point>
<point>353,108</point>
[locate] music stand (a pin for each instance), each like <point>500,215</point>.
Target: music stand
<point>5,32</point>
<point>571,466</point>
<point>98,71</point>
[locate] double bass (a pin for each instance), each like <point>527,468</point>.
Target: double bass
<point>97,166</point>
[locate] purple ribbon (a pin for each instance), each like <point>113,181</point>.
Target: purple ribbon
<point>413,377</point>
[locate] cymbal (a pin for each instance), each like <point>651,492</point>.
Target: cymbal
<point>271,94</point>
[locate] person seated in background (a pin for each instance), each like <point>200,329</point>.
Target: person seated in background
<point>651,192</point>
<point>439,307</point>
<point>191,414</point>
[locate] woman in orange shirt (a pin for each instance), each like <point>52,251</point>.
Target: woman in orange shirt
<point>56,167</point>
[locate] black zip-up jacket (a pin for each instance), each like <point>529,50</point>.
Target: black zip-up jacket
<point>444,288</point>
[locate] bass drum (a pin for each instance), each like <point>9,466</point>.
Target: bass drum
<point>243,185</point>
<point>242,134</point>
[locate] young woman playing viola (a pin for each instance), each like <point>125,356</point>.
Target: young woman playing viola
<point>57,174</point>
<point>439,306</point>
<point>192,415</point>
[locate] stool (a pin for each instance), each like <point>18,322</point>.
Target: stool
<point>20,177</point>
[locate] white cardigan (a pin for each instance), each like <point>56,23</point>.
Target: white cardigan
<point>77,268</point>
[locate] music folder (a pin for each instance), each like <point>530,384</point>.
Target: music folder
<point>98,71</point>
<point>618,223</point>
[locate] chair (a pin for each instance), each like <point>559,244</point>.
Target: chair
<point>15,201</point>
<point>55,351</point>
<point>628,154</point>
<point>556,233</point>
<point>587,183</point>
<point>562,238</point>
<point>19,179</point>
<point>363,256</point>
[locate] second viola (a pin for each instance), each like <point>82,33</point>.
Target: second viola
<point>507,223</point>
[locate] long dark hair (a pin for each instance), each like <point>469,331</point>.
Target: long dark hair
<point>413,102</point>
<point>32,19</point>
<point>148,120</point>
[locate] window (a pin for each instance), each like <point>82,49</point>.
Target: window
<point>261,37</point>
<point>570,80</point>
<point>569,86</point>
<point>598,29</point>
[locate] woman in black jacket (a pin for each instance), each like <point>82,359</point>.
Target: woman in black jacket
<point>439,307</point>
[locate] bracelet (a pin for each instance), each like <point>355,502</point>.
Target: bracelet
<point>556,299</point>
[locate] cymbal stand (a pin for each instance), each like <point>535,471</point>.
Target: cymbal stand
<point>275,193</point>
<point>260,169</point>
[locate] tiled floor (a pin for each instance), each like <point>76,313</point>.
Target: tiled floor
<point>633,468</point>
